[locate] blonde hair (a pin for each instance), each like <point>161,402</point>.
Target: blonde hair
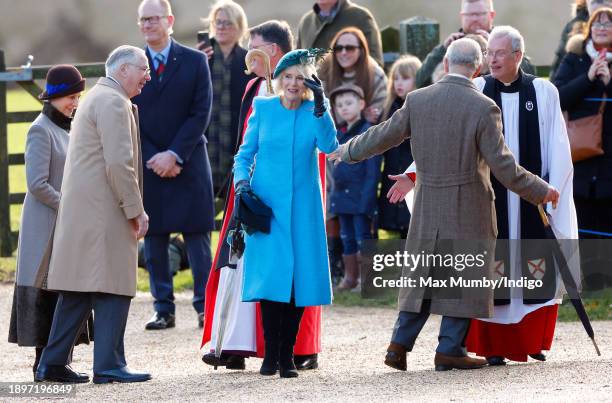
<point>406,66</point>
<point>234,12</point>
<point>306,70</point>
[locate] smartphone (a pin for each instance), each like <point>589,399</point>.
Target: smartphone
<point>203,37</point>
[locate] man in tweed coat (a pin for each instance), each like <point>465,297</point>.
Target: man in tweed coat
<point>456,138</point>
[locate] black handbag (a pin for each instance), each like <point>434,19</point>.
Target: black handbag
<point>252,213</point>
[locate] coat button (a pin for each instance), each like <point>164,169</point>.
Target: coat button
<point>346,191</point>
<point>594,178</point>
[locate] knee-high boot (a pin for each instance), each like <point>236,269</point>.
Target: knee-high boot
<point>290,325</point>
<point>271,319</point>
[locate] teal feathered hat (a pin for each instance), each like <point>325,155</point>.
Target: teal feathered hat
<point>299,56</point>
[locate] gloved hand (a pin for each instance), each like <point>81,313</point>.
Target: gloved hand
<point>317,90</point>
<point>242,186</point>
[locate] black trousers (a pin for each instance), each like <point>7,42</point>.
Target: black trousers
<point>281,322</point>
<point>72,311</point>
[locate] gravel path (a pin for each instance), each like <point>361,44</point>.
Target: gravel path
<point>351,366</point>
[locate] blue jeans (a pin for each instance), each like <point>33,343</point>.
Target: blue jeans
<point>354,228</point>
<point>450,338</point>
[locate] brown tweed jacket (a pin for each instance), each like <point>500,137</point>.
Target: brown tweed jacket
<point>456,139</point>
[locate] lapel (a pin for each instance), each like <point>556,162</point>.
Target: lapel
<point>172,65</point>
<point>138,161</point>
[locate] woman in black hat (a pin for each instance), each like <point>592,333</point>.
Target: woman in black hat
<point>46,147</point>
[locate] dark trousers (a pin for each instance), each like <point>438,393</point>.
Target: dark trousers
<point>160,276</point>
<point>450,339</point>
<point>71,313</point>
<point>281,322</point>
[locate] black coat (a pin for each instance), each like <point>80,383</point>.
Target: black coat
<point>174,114</point>
<point>355,185</point>
<point>592,177</point>
<point>394,217</point>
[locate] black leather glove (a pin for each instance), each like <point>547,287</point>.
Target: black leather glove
<point>243,186</point>
<point>317,89</point>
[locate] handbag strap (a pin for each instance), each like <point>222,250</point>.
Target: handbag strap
<point>604,100</point>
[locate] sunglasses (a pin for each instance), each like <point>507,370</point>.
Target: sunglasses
<point>348,48</point>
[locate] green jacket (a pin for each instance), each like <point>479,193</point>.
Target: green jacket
<point>435,57</point>
<point>317,32</point>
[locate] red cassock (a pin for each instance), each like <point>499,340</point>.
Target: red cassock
<point>309,336</point>
<point>532,335</point>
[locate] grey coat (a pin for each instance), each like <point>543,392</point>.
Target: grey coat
<point>456,139</point>
<point>45,155</point>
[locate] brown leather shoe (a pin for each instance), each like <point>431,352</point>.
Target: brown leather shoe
<point>445,362</point>
<point>396,356</point>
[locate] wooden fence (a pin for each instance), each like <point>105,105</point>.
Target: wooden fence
<point>24,77</point>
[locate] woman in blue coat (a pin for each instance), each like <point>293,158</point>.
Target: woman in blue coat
<point>288,268</point>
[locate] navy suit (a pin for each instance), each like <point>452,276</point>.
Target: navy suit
<point>174,114</point>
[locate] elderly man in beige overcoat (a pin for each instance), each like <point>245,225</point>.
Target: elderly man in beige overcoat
<point>93,261</point>
<point>456,138</point>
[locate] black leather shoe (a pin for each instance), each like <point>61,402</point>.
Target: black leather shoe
<point>215,362</point>
<point>303,362</point>
<point>160,321</point>
<point>59,373</point>
<point>123,375</point>
<point>496,361</point>
<point>235,362</point>
<point>539,357</point>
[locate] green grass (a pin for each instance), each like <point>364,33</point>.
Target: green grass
<point>598,305</point>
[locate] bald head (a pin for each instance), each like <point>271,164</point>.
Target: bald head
<point>464,57</point>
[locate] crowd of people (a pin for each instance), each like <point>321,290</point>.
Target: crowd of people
<point>248,118</point>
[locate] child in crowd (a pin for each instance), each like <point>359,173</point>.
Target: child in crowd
<point>353,198</point>
<point>396,217</point>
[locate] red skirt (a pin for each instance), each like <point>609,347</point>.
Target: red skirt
<point>533,334</point>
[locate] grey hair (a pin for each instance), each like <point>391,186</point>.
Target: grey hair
<point>120,56</point>
<point>464,52</point>
<point>518,43</point>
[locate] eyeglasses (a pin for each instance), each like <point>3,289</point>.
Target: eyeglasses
<point>154,19</point>
<point>223,23</point>
<point>475,15</point>
<point>348,48</point>
<point>601,25</point>
<point>146,70</point>
<point>500,54</point>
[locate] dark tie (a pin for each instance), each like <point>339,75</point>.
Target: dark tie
<point>160,66</point>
